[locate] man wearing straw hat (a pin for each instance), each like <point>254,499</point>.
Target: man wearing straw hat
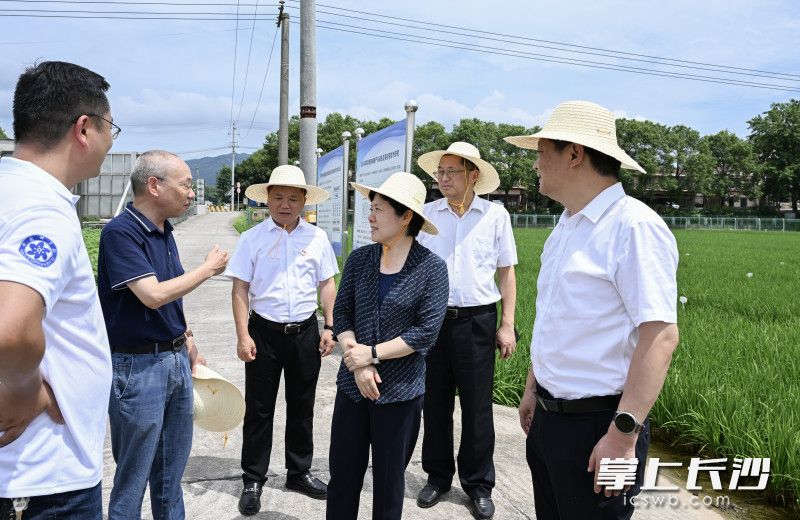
<point>476,241</point>
<point>605,327</point>
<point>278,269</point>
<point>141,283</point>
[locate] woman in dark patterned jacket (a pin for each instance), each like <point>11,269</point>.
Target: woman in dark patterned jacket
<point>389,308</point>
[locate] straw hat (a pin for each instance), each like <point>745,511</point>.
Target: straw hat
<point>406,189</point>
<point>583,123</point>
<point>287,175</point>
<point>488,179</point>
<point>218,404</point>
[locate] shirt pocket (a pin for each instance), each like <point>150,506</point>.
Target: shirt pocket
<point>483,253</point>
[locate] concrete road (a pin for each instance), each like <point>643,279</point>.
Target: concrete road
<point>212,481</point>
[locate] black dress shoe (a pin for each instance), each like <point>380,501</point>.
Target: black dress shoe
<point>309,485</point>
<point>429,496</point>
<point>482,508</point>
<point>250,501</point>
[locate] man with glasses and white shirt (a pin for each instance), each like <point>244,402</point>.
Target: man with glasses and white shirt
<point>141,284</point>
<point>55,368</point>
<point>476,241</point>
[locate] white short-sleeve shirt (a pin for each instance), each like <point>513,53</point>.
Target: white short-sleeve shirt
<point>605,270</point>
<point>41,246</point>
<point>283,269</point>
<point>474,246</point>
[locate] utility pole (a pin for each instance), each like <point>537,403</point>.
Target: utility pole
<point>308,90</point>
<point>283,123</point>
<point>233,160</point>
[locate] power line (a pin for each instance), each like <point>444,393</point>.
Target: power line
<point>547,58</point>
<point>607,54</point>
<point>263,82</point>
<point>571,45</point>
<point>247,67</point>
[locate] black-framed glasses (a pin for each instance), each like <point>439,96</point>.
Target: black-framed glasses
<point>115,130</point>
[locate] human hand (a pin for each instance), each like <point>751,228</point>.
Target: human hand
<point>246,348</point>
<point>506,341</point>
<point>357,357</point>
<point>18,407</point>
<point>527,407</point>
<point>216,260</point>
<point>326,343</point>
<point>614,444</point>
<point>367,380</point>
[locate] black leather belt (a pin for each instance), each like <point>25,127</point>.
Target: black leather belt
<point>603,403</point>
<point>152,348</point>
<point>453,313</point>
<point>286,328</point>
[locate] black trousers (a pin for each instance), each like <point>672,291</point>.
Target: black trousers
<point>298,357</point>
<point>391,429</point>
<point>462,359</point>
<point>558,448</point>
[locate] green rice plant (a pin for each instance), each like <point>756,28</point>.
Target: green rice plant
<point>733,389</point>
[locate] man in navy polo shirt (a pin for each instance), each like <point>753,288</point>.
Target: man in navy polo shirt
<point>141,284</point>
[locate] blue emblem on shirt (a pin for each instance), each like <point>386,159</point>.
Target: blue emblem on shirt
<point>39,250</point>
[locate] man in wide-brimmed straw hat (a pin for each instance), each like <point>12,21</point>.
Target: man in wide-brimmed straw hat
<point>390,306</point>
<point>605,324</point>
<point>278,269</point>
<point>476,241</point>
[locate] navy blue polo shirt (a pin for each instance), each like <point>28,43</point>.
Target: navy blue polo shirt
<point>132,247</point>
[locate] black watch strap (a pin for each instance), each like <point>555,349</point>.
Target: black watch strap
<point>375,360</point>
<point>330,328</point>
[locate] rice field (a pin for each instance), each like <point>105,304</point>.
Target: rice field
<point>734,385</point>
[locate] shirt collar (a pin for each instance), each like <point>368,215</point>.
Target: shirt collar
<point>145,222</point>
<point>40,176</point>
<point>271,225</point>
<point>477,203</point>
<point>600,204</point>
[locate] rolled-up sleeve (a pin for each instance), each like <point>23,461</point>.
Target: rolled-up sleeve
<point>421,336</point>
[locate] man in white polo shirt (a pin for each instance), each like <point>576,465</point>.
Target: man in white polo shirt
<point>55,365</point>
<point>278,269</point>
<point>605,328</point>
<point>476,241</point>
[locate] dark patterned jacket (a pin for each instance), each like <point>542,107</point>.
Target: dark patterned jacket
<point>413,309</point>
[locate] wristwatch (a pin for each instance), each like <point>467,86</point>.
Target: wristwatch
<point>330,328</point>
<point>375,360</point>
<point>626,423</point>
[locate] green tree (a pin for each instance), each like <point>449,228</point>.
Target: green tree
<point>223,185</point>
<point>646,143</point>
<point>735,166</point>
<point>427,138</point>
<point>3,134</point>
<point>775,135</point>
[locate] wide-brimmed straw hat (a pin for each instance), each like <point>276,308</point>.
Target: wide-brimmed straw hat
<point>287,175</point>
<point>218,404</point>
<point>580,122</point>
<point>488,179</point>
<point>406,189</point>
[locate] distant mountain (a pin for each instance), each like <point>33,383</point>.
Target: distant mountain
<point>207,168</point>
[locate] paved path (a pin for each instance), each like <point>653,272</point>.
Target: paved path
<point>212,481</point>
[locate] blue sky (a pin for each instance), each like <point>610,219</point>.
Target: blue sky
<point>171,81</point>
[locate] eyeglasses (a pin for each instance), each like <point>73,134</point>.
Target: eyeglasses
<point>187,186</point>
<point>115,130</point>
<point>449,173</point>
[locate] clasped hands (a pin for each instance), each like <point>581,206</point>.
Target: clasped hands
<point>358,359</point>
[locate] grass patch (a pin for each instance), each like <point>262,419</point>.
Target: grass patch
<point>734,385</point>
<point>91,237</point>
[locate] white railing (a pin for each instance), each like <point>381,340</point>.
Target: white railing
<point>727,223</point>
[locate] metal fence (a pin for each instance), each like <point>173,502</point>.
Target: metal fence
<point>719,223</point>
